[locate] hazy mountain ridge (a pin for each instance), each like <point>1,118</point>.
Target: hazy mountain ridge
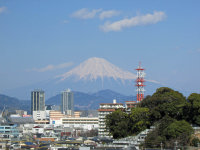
<point>12,103</point>
<point>6,100</point>
<point>82,101</point>
<point>92,101</point>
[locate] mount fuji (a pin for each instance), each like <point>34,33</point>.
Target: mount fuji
<point>95,68</point>
<point>97,74</point>
<point>92,75</point>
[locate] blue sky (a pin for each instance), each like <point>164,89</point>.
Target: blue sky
<point>40,39</point>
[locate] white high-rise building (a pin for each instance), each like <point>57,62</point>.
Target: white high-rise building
<point>105,109</point>
<point>67,102</point>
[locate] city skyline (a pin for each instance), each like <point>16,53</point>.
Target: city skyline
<point>42,39</point>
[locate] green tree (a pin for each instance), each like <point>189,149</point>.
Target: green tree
<point>139,119</point>
<point>156,137</point>
<point>167,131</point>
<point>165,101</point>
<point>192,109</point>
<point>180,131</point>
<point>166,110</point>
<point>121,124</point>
<point>117,124</point>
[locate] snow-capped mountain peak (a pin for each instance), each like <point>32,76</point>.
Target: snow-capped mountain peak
<point>94,68</point>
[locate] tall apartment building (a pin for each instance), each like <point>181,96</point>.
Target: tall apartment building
<point>67,102</point>
<point>37,100</point>
<point>105,109</point>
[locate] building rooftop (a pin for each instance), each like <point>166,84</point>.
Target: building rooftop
<point>106,109</point>
<point>21,120</point>
<point>111,104</point>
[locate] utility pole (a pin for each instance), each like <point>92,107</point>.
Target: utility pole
<point>176,143</point>
<point>161,145</point>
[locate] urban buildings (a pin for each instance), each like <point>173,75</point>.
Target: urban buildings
<point>37,100</point>
<point>75,121</point>
<point>40,117</point>
<point>105,109</point>
<point>67,103</point>
<point>6,133</point>
<point>129,105</point>
<point>9,130</point>
<point>55,117</point>
<point>86,123</point>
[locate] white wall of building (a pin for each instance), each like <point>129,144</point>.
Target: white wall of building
<point>85,123</point>
<point>55,121</point>
<point>38,130</point>
<point>39,115</point>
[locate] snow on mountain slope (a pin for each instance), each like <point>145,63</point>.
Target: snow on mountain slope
<point>94,68</point>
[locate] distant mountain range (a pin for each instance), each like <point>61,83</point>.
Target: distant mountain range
<point>86,101</point>
<point>90,76</point>
<point>82,101</point>
<point>12,104</point>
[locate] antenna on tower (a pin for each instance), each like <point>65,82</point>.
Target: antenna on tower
<point>139,64</point>
<point>140,83</point>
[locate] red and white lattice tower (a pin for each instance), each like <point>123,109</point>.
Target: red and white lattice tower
<point>140,83</point>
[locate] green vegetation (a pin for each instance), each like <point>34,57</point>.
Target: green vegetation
<point>118,124</point>
<point>121,124</point>
<point>192,109</point>
<point>167,110</point>
<point>139,119</point>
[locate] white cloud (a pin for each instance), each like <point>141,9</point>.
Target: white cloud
<point>157,16</point>
<point>3,9</point>
<point>84,13</point>
<point>52,67</point>
<point>108,14</point>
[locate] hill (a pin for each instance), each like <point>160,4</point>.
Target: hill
<point>11,103</point>
<point>82,101</point>
<point>87,101</point>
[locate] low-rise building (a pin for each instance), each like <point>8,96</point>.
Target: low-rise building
<point>38,130</point>
<point>55,117</point>
<point>86,123</point>
<point>130,104</point>
<point>39,115</point>
<point>9,131</point>
<point>21,112</point>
